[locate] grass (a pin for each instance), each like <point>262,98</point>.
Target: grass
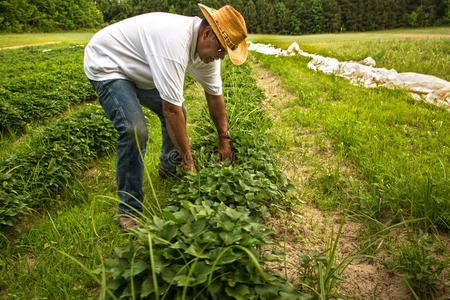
<point>395,147</point>
<point>370,35</point>
<point>389,48</point>
<point>385,133</point>
<point>398,145</point>
<point>16,39</point>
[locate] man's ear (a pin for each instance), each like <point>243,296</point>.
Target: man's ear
<point>208,32</point>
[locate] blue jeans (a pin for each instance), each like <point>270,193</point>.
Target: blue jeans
<point>121,100</point>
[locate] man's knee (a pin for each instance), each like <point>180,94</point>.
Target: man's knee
<point>138,132</point>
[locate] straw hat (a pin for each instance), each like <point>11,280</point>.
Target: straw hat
<point>229,27</point>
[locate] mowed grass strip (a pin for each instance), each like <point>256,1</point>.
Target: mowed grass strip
<point>425,51</point>
<point>399,146</point>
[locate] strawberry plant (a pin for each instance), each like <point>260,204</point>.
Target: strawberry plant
<point>33,177</point>
<point>205,250</point>
<point>206,243</point>
<point>37,85</point>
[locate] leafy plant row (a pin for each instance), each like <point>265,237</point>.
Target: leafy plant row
<point>206,243</point>
<point>37,84</point>
<point>34,176</point>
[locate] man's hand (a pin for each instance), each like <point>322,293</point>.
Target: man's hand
<point>189,167</point>
<point>216,106</point>
<point>225,150</point>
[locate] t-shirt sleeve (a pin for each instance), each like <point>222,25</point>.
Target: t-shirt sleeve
<point>168,76</point>
<point>208,75</point>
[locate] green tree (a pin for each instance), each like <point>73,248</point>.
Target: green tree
<point>16,15</point>
<point>266,13</point>
<point>250,16</point>
<point>331,16</point>
<point>317,17</point>
<point>281,17</point>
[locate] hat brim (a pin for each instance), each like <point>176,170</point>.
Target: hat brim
<point>237,56</point>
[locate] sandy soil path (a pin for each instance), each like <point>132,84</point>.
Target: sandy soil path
<point>28,45</point>
<point>310,228</point>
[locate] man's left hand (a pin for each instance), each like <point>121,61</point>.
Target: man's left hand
<point>225,150</point>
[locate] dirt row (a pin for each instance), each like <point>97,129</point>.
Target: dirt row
<point>309,228</point>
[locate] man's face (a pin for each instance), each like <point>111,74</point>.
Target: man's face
<point>208,46</point>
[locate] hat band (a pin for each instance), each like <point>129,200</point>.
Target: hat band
<point>225,36</point>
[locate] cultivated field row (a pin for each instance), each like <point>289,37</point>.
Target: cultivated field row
<point>209,223</point>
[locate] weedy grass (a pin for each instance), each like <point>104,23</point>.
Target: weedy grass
<point>426,55</point>
<point>70,226</point>
<point>320,272</point>
<point>51,253</point>
<point>398,145</point>
<point>35,176</point>
<point>398,148</point>
<point>421,271</point>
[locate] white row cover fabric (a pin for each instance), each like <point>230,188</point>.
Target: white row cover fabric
<point>430,88</point>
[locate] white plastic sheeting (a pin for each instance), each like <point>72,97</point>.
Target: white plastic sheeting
<point>430,88</point>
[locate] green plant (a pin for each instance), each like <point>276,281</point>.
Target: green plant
<point>36,175</point>
<point>197,251</point>
<point>320,272</point>
<point>38,84</point>
<point>421,272</point>
<point>206,243</point>
<point>396,144</point>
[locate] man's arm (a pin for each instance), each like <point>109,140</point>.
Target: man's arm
<point>216,106</point>
<point>176,128</point>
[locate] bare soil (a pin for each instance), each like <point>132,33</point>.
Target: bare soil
<point>309,228</point>
<point>28,45</point>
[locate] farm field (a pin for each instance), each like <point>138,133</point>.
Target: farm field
<point>425,51</point>
<point>367,199</point>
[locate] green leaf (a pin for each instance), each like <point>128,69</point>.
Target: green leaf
<point>231,237</point>
<point>239,292</point>
<point>147,287</point>
<point>195,228</point>
<point>195,251</point>
<point>138,267</point>
<point>233,213</point>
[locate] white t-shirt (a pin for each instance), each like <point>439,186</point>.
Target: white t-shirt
<point>153,50</point>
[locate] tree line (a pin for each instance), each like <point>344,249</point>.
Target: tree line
<point>262,16</point>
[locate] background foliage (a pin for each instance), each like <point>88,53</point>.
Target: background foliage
<point>262,16</point>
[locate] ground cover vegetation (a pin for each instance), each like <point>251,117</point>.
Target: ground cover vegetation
<point>18,40</point>
<point>38,83</point>
<point>281,16</point>
<point>400,155</point>
<point>399,146</point>
<point>205,242</point>
<point>61,177</point>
